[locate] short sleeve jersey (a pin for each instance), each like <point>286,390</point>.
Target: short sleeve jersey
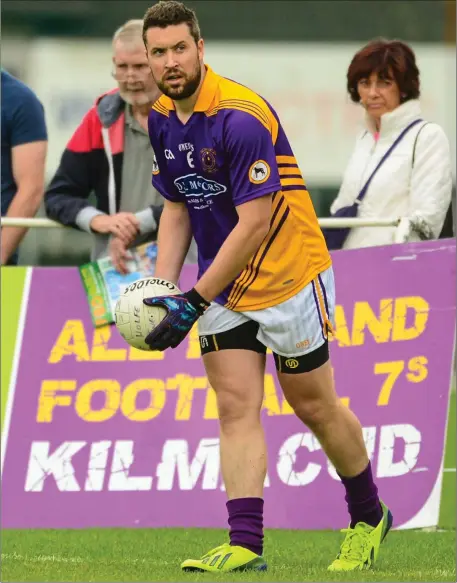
<point>233,150</point>
<point>23,122</point>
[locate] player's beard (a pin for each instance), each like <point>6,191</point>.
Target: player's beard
<point>189,87</point>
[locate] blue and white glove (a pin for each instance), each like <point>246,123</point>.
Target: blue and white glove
<point>182,313</point>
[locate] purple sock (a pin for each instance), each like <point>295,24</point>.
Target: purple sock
<point>362,498</point>
<point>246,523</point>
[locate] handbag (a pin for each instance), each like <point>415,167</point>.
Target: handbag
<point>335,238</point>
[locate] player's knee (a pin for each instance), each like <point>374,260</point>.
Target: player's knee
<point>235,410</point>
<point>315,413</point>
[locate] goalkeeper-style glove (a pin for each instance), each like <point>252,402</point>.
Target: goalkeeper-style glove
<point>182,312</point>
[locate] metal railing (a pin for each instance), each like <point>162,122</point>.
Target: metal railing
<point>327,223</point>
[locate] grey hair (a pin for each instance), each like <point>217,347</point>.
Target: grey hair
<point>130,31</point>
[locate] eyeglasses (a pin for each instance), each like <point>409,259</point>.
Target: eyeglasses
<point>121,72</point>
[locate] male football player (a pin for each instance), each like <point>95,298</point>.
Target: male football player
<point>230,178</point>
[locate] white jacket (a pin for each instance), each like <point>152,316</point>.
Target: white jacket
<point>421,192</point>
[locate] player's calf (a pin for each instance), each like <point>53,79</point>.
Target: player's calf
<point>314,400</point>
<point>238,378</point>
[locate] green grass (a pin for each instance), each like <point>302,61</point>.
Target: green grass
<point>155,555</point>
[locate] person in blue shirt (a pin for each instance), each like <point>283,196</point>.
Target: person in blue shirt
<point>24,148</point>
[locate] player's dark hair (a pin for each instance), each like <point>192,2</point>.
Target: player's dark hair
<point>168,13</point>
<point>389,59</point>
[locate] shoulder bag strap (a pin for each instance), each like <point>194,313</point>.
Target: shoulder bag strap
<point>362,193</point>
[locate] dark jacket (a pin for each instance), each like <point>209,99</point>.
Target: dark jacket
<point>92,162</point>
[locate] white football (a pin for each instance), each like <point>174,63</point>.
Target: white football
<point>133,318</point>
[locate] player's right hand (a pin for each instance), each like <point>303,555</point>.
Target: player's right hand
<point>123,225</point>
<point>182,313</point>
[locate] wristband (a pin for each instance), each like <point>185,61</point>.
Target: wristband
<point>196,300</point>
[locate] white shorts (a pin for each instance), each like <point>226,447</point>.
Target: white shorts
<point>295,327</point>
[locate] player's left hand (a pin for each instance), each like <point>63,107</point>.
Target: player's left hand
<point>182,313</point>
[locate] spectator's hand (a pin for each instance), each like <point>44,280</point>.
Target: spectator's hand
<point>403,231</point>
<point>119,254</point>
<point>125,226</point>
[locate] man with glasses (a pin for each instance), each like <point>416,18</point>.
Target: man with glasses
<point>110,154</point>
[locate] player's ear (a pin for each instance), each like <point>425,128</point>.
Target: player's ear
<point>201,49</point>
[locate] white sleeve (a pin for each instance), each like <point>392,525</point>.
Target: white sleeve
<point>431,182</point>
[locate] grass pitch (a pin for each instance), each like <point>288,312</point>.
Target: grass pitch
<point>155,555</point>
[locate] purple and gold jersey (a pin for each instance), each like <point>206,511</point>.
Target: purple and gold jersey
<point>232,150</point>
